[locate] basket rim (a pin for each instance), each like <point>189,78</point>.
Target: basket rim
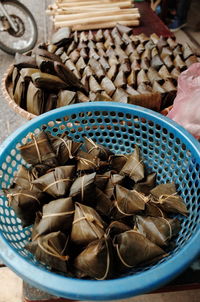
<point>23,113</point>
<point>123,287</point>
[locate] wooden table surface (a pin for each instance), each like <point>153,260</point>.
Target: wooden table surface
<point>149,22</point>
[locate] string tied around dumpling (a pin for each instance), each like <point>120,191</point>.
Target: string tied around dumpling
<point>37,147</point>
<point>58,214</point>
<point>134,168</point>
<point>120,257</point>
<point>52,251</point>
<point>118,208</point>
<point>68,145</point>
<point>55,182</point>
<point>165,197</point>
<point>170,228</point>
<point>82,187</point>
<point>86,162</point>
<point>20,193</point>
<point>107,260</point>
<point>95,146</point>
<point>30,179</point>
<point>89,218</point>
<point>142,196</point>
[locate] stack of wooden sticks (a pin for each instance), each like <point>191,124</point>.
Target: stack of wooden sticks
<point>93,14</point>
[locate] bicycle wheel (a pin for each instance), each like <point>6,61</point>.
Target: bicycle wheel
<point>26,36</point>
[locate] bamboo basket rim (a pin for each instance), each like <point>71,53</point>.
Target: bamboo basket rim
<point>6,81</point>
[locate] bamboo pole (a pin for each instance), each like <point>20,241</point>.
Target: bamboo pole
<point>71,10</point>
<point>105,19</point>
<point>75,1</point>
<point>94,14</point>
<point>97,19</point>
<point>104,25</point>
<point>86,3</point>
<point>122,4</point>
<point>85,9</point>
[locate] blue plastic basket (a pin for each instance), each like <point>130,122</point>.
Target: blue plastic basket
<point>167,149</point>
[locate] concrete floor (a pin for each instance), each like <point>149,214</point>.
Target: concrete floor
<point>10,284</point>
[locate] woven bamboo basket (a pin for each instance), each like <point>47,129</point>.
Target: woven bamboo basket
<point>6,86</point>
<point>8,95</point>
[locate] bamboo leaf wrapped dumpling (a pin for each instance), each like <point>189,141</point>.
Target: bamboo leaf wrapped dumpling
<point>134,166</point>
<point>87,225</point>
<point>82,190</point>
<point>97,150</point>
<point>168,199</point>
<point>57,182</point>
<point>86,161</point>
<point>112,182</point>
<point>158,229</point>
<point>96,260</point>
<point>25,203</point>
<point>24,178</point>
<point>117,161</point>
<point>152,209</point>
<point>117,227</point>
<point>134,249</point>
<point>101,180</point>
<point>39,151</point>
<point>103,202</point>
<point>51,249</point>
<point>57,215</point>
<point>64,147</point>
<point>146,185</point>
<point>129,202</point>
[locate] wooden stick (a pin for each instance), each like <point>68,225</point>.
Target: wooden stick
<point>85,9</point>
<point>72,10</point>
<point>104,25</point>
<point>94,14</point>
<point>86,3</point>
<point>100,1</point>
<point>118,4</point>
<point>97,19</point>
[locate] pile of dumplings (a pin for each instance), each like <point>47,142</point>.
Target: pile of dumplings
<point>94,214</point>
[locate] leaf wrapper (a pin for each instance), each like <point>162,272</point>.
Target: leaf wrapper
<point>45,80</point>
<point>133,249</point>
<point>34,99</point>
<point>25,203</point>
<point>66,97</point>
<point>158,230</point>
<point>87,225</point>
<point>82,189</point>
<point>134,166</point>
<point>173,204</point>
<point>129,202</point>
<point>102,180</point>
<point>24,178</point>
<point>146,186</point>
<point>57,182</point>
<point>112,182</point>
<point>38,151</point>
<point>167,198</point>
<point>57,215</point>
<point>97,150</point>
<point>50,249</point>
<point>103,203</point>
<point>116,228</point>
<point>64,148</point>
<point>96,259</point>
<point>118,161</point>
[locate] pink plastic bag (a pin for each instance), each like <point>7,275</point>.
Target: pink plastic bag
<point>186,107</point>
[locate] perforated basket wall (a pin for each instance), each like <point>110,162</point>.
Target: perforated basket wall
<point>167,149</point>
